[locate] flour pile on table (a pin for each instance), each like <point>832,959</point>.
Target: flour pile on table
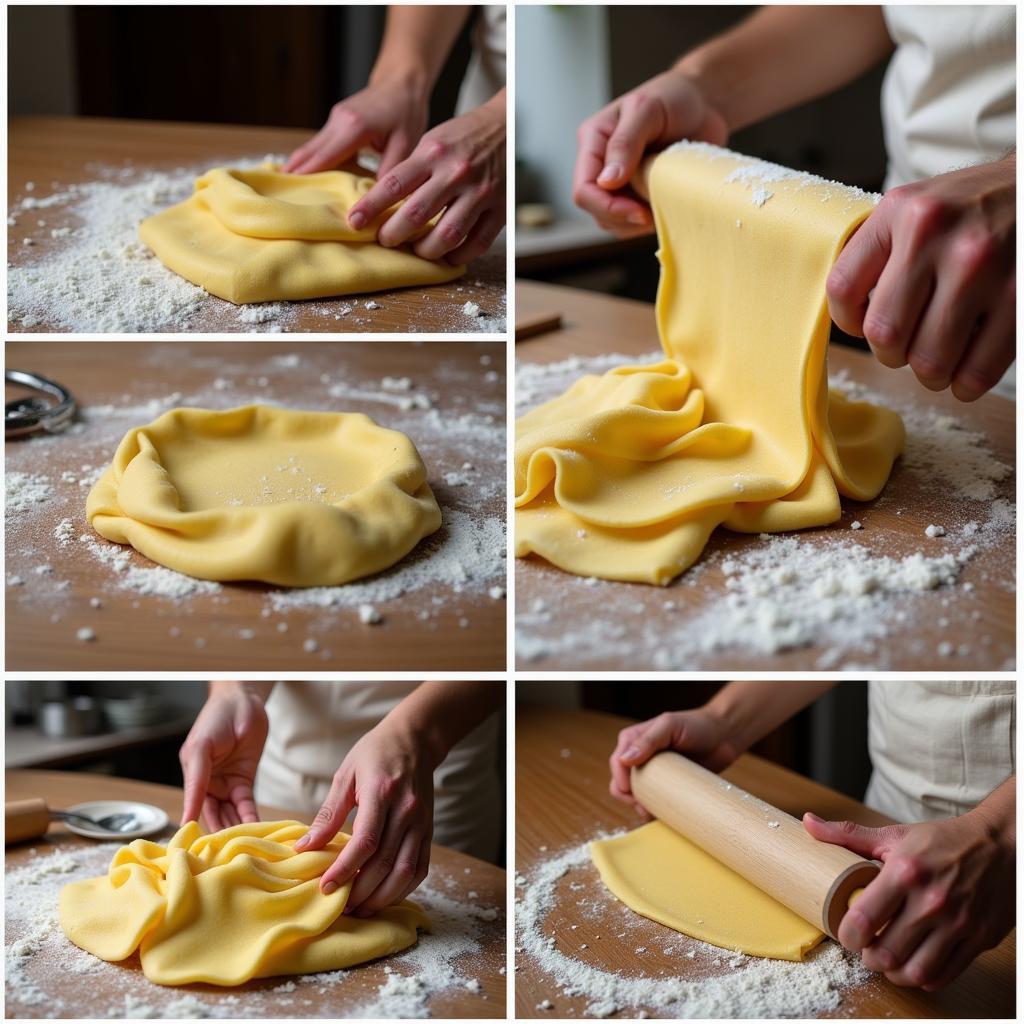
<point>783,592</point>
<point>82,266</point>
<point>718,982</point>
<point>462,444</point>
<point>41,962</point>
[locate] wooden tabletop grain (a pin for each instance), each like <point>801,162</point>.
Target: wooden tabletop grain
<point>437,625</point>
<point>969,627</point>
<point>457,873</point>
<point>54,152</point>
<point>562,800</point>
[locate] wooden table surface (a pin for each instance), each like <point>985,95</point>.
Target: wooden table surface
<point>462,873</point>
<point>436,625</point>
<point>54,152</point>
<point>593,324</point>
<point>562,800</point>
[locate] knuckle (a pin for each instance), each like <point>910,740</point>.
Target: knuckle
<point>325,815</point>
<point>436,149</point>
<point>416,212</point>
<point>392,184</point>
<point>929,368</point>
<point>387,786</point>
<point>405,869</point>
<point>973,253</point>
<point>411,804</point>
<point>386,864</point>
<point>847,827</point>
<point>348,116</point>
<point>935,901</point>
<point>452,232</point>
<point>907,869</point>
<point>460,169</point>
<point>881,330</point>
<point>485,190</point>
<point>977,380</point>
<point>366,844</point>
<point>924,211</point>
<point>839,284</point>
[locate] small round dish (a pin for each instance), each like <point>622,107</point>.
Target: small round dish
<point>151,819</point>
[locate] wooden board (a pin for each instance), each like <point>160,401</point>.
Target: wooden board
<point>438,625</point>
<point>53,153</point>
<point>976,618</point>
<point>90,997</point>
<point>562,800</point>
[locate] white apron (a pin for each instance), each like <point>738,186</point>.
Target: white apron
<point>485,73</point>
<point>313,725</point>
<point>938,748</point>
<point>949,96</point>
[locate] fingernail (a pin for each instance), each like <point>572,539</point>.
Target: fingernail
<point>329,888</point>
<point>814,817</point>
<point>357,219</point>
<point>612,172</point>
<point>302,842</point>
<point>636,217</point>
<point>630,754</point>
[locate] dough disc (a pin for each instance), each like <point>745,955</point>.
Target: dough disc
<point>227,907</point>
<point>259,235</point>
<point>661,875</point>
<point>293,498</point>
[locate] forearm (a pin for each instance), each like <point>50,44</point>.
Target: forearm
<point>783,56</point>
<point>437,714</point>
<point>750,708</point>
<point>254,689</point>
<point>417,41</point>
<point>997,813</point>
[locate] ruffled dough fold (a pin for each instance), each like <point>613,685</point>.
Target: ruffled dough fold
<point>228,907</point>
<point>626,475</point>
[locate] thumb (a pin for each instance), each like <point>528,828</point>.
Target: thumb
<point>331,816</point>
<point>638,124</point>
<point>872,843</point>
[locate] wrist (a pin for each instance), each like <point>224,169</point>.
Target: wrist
<point>257,691</point>
<point>410,77</point>
<point>698,73</point>
<point>418,734</point>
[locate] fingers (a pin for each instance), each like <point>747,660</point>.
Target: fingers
<point>453,228</point>
<point>481,237</point>
<point>384,880</point>
<point>992,351</point>
<point>244,803</point>
<point>961,955</point>
<point>872,843</point>
<point>212,815</point>
<point>856,271</point>
<point>196,766</point>
<point>397,149</point>
<point>418,209</point>
<point>339,140</point>
<point>897,943</point>
<point>390,188</point>
<point>367,833</point>
<point>332,814</point>
<point>641,120</point>
<point>924,959</point>
<point>896,307</point>
<point>620,786</point>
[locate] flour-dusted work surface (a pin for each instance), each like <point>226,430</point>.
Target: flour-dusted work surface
<point>580,953</point>
<point>78,601</point>
<point>78,188</point>
<point>923,577</point>
<point>458,970</point>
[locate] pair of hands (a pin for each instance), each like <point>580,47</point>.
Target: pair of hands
<point>385,775</point>
<point>457,167</point>
<point>928,279</point>
<point>941,896</point>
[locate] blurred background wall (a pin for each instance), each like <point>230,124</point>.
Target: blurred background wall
<point>571,61</point>
<point>826,741</point>
<point>280,65</point>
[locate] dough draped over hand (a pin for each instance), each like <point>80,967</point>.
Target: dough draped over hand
<point>662,875</point>
<point>258,235</point>
<point>227,907</point>
<point>626,475</point>
<point>292,498</point>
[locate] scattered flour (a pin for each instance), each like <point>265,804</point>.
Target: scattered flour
<point>40,961</point>
<point>719,984</point>
<point>25,490</point>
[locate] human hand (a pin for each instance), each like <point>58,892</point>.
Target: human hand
<point>220,755</point>
<point>611,144</point>
<point>945,894</point>
<point>929,279</point>
<point>389,115</point>
<point>458,167</point>
<point>388,777</point>
<point>698,734</point>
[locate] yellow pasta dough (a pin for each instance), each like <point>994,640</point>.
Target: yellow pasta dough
<point>227,907</point>
<point>661,875</point>
<point>260,234</point>
<point>261,493</point>
<point>626,475</point>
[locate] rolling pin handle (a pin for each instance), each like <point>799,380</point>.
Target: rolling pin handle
<point>25,819</point>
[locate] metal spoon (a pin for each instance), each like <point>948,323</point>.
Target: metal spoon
<point>115,823</point>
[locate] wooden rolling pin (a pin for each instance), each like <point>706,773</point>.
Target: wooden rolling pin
<point>766,846</point>
<point>25,819</point>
